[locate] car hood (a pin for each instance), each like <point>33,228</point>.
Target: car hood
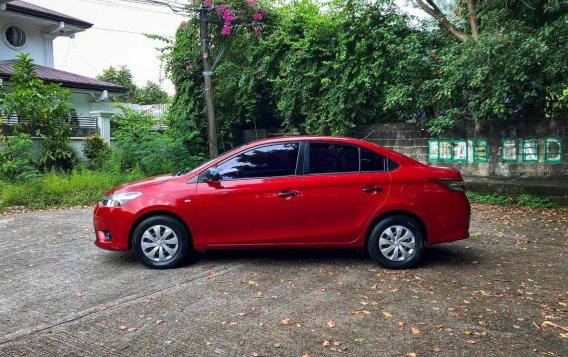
<point>138,184</point>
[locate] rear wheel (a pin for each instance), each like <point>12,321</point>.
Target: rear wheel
<point>161,242</point>
<point>396,242</point>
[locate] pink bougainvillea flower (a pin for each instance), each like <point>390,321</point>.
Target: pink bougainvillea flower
<point>226,31</point>
<point>208,3</point>
<point>221,9</point>
<point>189,66</point>
<point>184,26</point>
<point>257,16</point>
<point>251,3</point>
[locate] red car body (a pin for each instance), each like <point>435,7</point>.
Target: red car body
<point>327,210</point>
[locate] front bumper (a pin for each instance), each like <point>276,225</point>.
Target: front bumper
<point>112,228</point>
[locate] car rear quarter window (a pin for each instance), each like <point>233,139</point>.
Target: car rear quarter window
<point>332,157</point>
<point>263,161</point>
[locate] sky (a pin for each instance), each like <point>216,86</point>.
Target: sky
<point>95,49</point>
<point>117,37</point>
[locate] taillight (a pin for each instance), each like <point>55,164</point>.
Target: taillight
<point>452,185</point>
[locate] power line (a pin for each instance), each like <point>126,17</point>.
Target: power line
<point>116,5</point>
<point>129,32</point>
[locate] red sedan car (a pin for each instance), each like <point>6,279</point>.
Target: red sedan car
<point>290,192</point>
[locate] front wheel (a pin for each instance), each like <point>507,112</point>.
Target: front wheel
<point>396,242</point>
<point>161,242</point>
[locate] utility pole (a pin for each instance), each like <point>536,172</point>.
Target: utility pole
<point>207,76</point>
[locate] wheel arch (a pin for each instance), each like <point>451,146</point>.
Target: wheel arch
<point>158,213</point>
<point>407,214</point>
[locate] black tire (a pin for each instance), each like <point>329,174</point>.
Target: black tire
<point>159,225</point>
<point>395,258</point>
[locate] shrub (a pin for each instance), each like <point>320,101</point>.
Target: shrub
<point>140,145</point>
<point>96,151</point>
<point>61,190</point>
<point>17,159</point>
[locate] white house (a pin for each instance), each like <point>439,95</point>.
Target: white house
<point>29,28</point>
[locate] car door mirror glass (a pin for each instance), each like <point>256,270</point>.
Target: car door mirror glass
<point>213,174</point>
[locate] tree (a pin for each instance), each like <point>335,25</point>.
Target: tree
<point>42,109</point>
<point>123,77</point>
<point>151,93</point>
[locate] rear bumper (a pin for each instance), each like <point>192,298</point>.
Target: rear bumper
<point>451,221</point>
<point>112,226</point>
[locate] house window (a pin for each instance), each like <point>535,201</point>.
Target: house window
<point>14,36</point>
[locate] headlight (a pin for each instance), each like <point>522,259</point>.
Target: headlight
<point>119,199</point>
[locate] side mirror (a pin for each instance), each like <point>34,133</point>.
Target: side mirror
<point>213,174</point>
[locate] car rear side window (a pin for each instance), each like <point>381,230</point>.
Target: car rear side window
<point>332,157</point>
<point>264,161</point>
<point>371,161</point>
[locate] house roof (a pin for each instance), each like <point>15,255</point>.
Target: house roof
<point>25,8</point>
<point>66,79</point>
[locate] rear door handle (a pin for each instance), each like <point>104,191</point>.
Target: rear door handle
<point>372,189</point>
<point>285,194</point>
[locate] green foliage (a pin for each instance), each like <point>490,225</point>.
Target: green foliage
<point>326,69</point>
<point>523,200</point>
<point>139,146</point>
<point>491,199</point>
<point>17,161</point>
<point>43,110</point>
<point>39,104</point>
<point>123,77</point>
<point>96,151</point>
<point>62,190</point>
<point>151,93</point>
<point>534,201</point>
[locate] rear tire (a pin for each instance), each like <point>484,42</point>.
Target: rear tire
<point>396,242</point>
<point>161,242</point>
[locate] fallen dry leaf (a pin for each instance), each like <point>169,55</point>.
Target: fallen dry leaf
<point>361,313</point>
<point>332,323</point>
<point>337,343</point>
<point>132,329</point>
<point>360,339</point>
<point>552,324</point>
<point>471,342</point>
<point>387,314</point>
<point>326,343</point>
<point>467,332</point>
<point>79,294</point>
<point>159,322</point>
<point>415,331</point>
<point>410,354</point>
<point>286,321</point>
<point>122,327</point>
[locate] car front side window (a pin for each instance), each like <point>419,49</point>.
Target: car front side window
<point>264,161</point>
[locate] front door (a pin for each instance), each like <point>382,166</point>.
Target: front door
<point>255,202</point>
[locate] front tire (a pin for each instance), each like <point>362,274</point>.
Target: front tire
<point>161,242</point>
<point>396,242</point>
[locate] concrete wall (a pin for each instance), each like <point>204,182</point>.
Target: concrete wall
<point>410,140</point>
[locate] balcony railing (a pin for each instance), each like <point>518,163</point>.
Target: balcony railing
<point>79,126</point>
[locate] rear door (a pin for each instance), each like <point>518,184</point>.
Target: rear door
<point>256,202</point>
<point>343,186</point>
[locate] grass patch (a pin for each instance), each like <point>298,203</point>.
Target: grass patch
<point>61,190</point>
<point>520,200</point>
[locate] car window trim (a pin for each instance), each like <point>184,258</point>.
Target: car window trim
<point>259,177</point>
<point>307,158</point>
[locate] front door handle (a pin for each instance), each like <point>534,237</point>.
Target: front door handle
<point>372,189</point>
<point>286,194</point>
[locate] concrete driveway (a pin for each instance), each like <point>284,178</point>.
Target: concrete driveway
<point>502,292</point>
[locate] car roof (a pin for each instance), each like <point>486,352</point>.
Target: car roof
<point>401,158</point>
